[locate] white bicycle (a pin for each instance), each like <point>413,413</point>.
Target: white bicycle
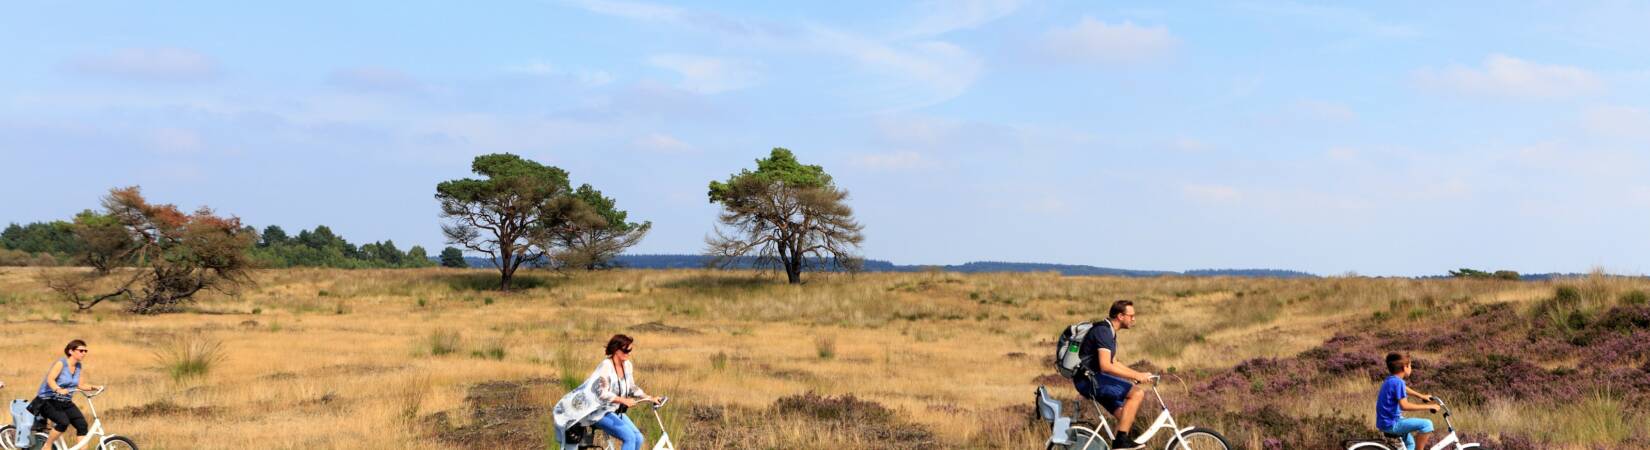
<point>1396,441</point>
<point>1064,435</point>
<point>104,440</point>
<point>584,437</point>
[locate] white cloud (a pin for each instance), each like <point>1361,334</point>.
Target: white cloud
<point>918,74</point>
<point>664,143</point>
<point>1617,121</point>
<point>953,15</point>
<point>1189,144</point>
<point>1343,154</point>
<point>899,160</point>
<point>1335,18</point>
<point>707,75</point>
<point>150,64</point>
<point>1210,193</point>
<point>630,10</point>
<point>175,140</point>
<point>1323,110</point>
<point>1639,195</point>
<point>1091,41</point>
<point>587,77</point>
<point>373,79</point>
<point>1506,76</point>
<point>1048,204</point>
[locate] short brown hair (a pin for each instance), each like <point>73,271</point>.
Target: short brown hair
<point>617,342</point>
<point>72,345</point>
<point>1395,362</point>
<point>1119,307</point>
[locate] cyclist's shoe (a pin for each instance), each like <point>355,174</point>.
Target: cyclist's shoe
<point>1125,441</point>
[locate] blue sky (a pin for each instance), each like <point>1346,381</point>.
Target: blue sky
<point>1393,138</point>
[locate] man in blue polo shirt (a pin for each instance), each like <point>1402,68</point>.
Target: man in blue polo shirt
<point>1107,382</point>
<point>1394,400</point>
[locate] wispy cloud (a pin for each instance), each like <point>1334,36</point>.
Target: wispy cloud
<point>664,143</point>
<point>586,77</point>
<point>909,70</point>
<point>895,161</point>
<point>1210,193</point>
<point>1506,76</point>
<point>949,16</point>
<point>1324,110</point>
<point>1091,41</point>
<point>1617,122</point>
<point>630,10</point>
<point>1335,18</point>
<point>149,64</point>
<point>708,75</point>
<point>374,79</point>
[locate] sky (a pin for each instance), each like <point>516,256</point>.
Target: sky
<point>1382,138</point>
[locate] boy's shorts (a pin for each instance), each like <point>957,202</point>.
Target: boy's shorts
<point>1410,425</point>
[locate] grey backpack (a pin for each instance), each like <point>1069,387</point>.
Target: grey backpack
<point>1068,355</point>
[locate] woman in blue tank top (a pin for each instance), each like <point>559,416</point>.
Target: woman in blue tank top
<point>56,396</point>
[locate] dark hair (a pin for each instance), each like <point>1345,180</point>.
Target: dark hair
<point>1119,307</point>
<point>1395,362</point>
<point>618,341</point>
<point>72,345</point>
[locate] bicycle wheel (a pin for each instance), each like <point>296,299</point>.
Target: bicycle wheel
<point>117,443</point>
<point>1368,445</point>
<point>8,438</point>
<point>1199,439</point>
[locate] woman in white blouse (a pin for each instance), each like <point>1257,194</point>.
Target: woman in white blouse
<point>598,401</point>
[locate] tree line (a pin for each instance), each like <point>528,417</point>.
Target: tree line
<point>56,243</point>
<point>784,215</point>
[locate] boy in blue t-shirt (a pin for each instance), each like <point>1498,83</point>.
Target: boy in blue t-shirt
<point>1393,401</point>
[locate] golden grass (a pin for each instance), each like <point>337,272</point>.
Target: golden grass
<point>317,358</point>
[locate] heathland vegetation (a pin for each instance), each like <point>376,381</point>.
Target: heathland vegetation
<point>434,358</point>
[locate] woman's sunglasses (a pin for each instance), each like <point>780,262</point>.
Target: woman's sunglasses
<point>82,350</point>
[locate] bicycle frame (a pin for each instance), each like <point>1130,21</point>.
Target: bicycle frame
<point>1451,441</point>
<point>1164,421</point>
<point>95,431</point>
<point>664,436</point>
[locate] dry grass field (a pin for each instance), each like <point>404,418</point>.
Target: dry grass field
<point>429,358</point>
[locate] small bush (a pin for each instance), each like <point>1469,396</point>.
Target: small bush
<point>572,374</point>
<point>719,361</point>
<point>189,357</point>
<point>826,346</point>
<point>441,343</point>
<point>1635,298</point>
<point>493,351</point>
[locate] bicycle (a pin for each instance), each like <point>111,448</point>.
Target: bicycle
<point>1396,441</point>
<point>583,437</point>
<point>105,441</point>
<point>1066,436</point>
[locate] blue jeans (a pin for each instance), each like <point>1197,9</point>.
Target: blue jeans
<point>1407,426</point>
<point>619,426</point>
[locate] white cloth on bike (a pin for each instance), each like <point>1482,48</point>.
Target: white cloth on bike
<point>593,399</point>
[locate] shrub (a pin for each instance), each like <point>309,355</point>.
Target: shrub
<point>494,351</point>
<point>441,343</point>
<point>826,346</point>
<point>1635,297</point>
<point>719,361</point>
<point>189,357</point>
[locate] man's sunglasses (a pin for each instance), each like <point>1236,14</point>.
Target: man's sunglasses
<point>82,350</point>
